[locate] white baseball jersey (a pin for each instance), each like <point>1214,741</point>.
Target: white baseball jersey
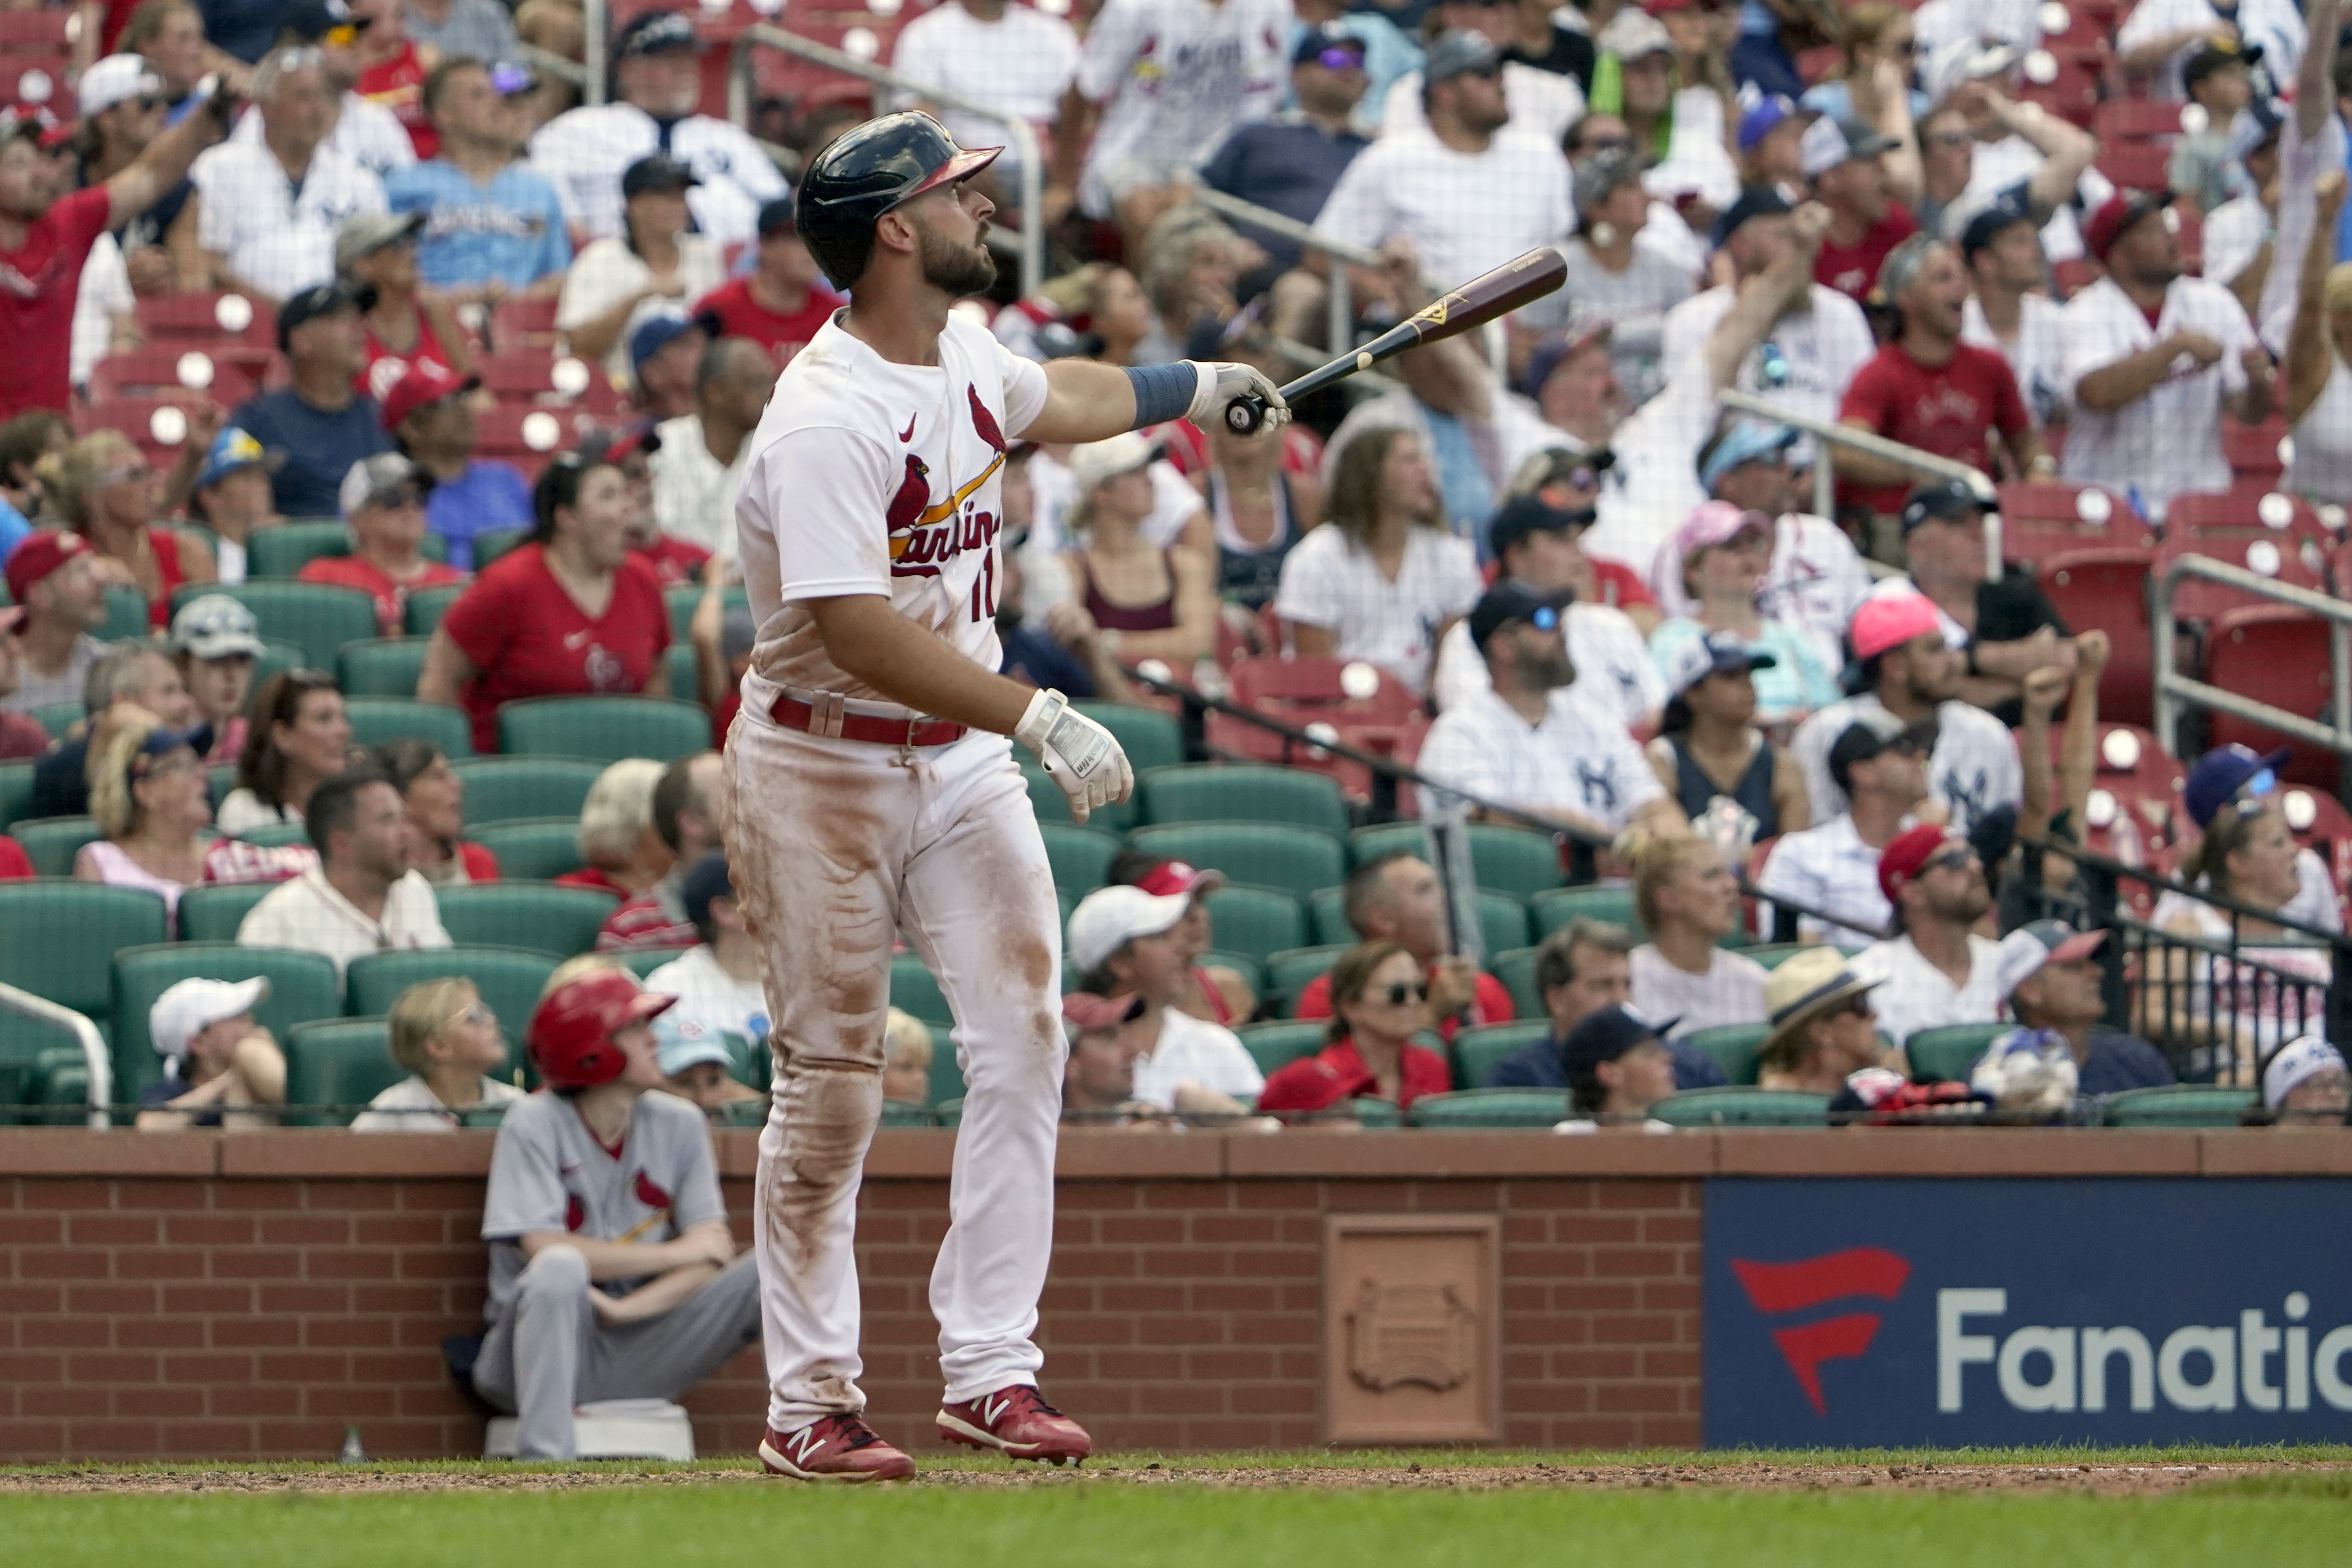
<point>584,152</point>
<point>2169,441</point>
<point>867,476</point>
<point>279,239</point>
<point>365,132</point>
<point>1175,77</point>
<point>1973,769</point>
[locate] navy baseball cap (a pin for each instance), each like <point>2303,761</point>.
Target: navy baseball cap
<point>1756,201</point>
<point>1939,501</point>
<point>654,31</point>
<point>777,217</point>
<point>657,333</point>
<point>1458,53</point>
<point>1510,600</point>
<point>1532,514</point>
<point>709,879</point>
<point>1999,215</point>
<point>2226,774</point>
<point>1607,1034</point>
<point>1717,653</point>
<point>324,299</point>
<point>1319,39</point>
<point>656,171</point>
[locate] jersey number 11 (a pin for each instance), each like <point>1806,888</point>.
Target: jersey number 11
<point>983,588</point>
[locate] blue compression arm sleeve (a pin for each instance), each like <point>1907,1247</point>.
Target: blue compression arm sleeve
<point>1163,392</point>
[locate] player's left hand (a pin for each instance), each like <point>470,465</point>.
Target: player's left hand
<point>1078,754</point>
<point>1231,384</point>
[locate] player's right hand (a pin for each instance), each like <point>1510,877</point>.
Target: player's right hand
<point>1078,754</point>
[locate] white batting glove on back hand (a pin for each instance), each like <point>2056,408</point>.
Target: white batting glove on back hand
<point>1228,383</point>
<point>1079,755</point>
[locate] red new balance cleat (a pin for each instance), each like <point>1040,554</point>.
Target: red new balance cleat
<point>1017,1422</point>
<point>835,1448</point>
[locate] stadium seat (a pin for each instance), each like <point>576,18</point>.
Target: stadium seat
<point>275,835</point>
<point>426,607</point>
<point>1476,1051</point>
<point>2135,165</point>
<point>2254,451</point>
<point>16,791</point>
<point>1552,911</point>
<point>1258,921</point>
<point>895,1114</point>
<point>2138,119</point>
<point>2179,1105</point>
<point>339,1064</point>
<point>509,789</point>
<point>1248,967</point>
<point>509,978</point>
<point>213,914</point>
<point>59,717</point>
<point>540,916</point>
<point>1046,799</point>
<point>2277,655</point>
<point>606,729</point>
<point>493,542</point>
<point>1275,1045</point>
<point>2107,587</point>
<point>375,720</point>
<point>1503,922</point>
<point>1490,1108</point>
<point>687,598</point>
<point>1517,970</point>
<point>382,667</point>
<point>1734,1047</point>
<point>277,654</point>
<point>1289,973</point>
<point>1080,853</point>
<point>1298,860</point>
<point>1514,860</point>
<point>915,989</point>
<point>1945,1055</point>
<point>1150,738</point>
<point>1212,792</point>
<point>318,617</point>
<point>167,371</point>
<point>285,550</point>
<point>947,1078</point>
<point>52,842</point>
<point>532,850</point>
<point>302,986</point>
<point>1743,1108</point>
<point>126,615</point>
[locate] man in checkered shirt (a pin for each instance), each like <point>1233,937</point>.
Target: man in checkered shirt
<point>272,206</point>
<point>585,151</point>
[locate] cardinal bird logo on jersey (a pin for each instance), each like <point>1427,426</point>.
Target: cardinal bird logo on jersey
<point>924,536</point>
<point>575,1212</point>
<point>652,1196</point>
<point>982,420</point>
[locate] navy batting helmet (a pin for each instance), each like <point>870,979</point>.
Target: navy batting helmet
<point>883,164</point>
<point>571,1033</point>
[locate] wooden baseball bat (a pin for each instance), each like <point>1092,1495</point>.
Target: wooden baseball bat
<point>1475,303</point>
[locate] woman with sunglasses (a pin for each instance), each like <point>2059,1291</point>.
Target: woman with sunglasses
<point>1377,995</point>
<point>300,737</point>
<point>384,508</point>
<point>103,488</point>
<point>1880,49</point>
<point>1823,1027</point>
<point>449,1041</point>
<point>150,797</point>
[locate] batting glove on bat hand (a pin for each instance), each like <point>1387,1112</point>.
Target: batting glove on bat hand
<point>1078,754</point>
<point>1227,383</point>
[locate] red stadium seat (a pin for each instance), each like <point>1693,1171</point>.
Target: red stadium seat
<point>2282,556</point>
<point>2107,588</point>
<point>2253,450</point>
<point>2279,656</point>
<point>1318,688</point>
<point>165,372</point>
<point>2043,520</point>
<point>519,325</point>
<point>2126,119</point>
<point>2135,165</point>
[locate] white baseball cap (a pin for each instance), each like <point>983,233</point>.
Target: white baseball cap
<point>115,78</point>
<point>1096,462</point>
<point>192,1006</point>
<point>2297,1061</point>
<point>1109,918</point>
<point>214,625</point>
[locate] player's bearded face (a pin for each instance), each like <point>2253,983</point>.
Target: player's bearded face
<point>952,266</point>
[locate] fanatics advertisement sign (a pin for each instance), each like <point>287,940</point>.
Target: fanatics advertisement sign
<point>1905,1313</point>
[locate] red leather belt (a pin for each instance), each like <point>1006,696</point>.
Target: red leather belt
<point>828,718</point>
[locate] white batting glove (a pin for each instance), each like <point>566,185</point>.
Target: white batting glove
<point>1223,382</point>
<point>1079,755</point>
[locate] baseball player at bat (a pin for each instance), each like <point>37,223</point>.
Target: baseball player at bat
<point>875,790</point>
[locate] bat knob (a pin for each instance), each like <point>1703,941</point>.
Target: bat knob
<point>1244,415</point>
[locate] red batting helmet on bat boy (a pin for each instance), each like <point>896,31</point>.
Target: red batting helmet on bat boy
<point>572,1030</point>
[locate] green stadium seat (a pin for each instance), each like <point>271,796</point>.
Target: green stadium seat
<point>1275,1045</point>
<point>213,913</point>
<point>285,550</point>
<point>1946,1054</point>
<point>607,729</point>
<point>1476,1051</point>
<point>493,542</point>
<point>1743,1108</point>
<point>30,1050</point>
<point>540,916</point>
<point>1772,954</point>
<point>678,660</point>
<point>1734,1046</point>
<point>303,986</point>
<point>1249,792</point>
<point>1289,973</point>
<point>1514,860</point>
<point>948,1112</point>
<point>382,667</point>
<point>275,835</point>
<point>914,989</point>
<point>57,1089</point>
<point>683,599</point>
<point>642,961</point>
<point>426,607</point>
<point>1150,738</point>
<point>126,615</point>
<point>1081,855</point>
<point>15,791</point>
<point>375,720</point>
<point>897,1113</point>
<point>339,1064</point>
<point>320,618</point>
<point>509,978</point>
<point>484,1115</point>
<point>2179,1105</point>
<point>1258,921</point>
<point>532,850</point>
<point>1552,911</point>
<point>1496,1108</point>
<point>947,1077</point>
<point>1046,799</point>
<point>1517,970</point>
<point>1249,968</point>
<point>512,789</point>
<point>59,717</point>
<point>277,654</point>
<point>1296,860</point>
<point>1375,1115</point>
<point>52,842</point>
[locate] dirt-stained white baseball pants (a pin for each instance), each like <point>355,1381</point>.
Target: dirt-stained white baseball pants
<point>837,846</point>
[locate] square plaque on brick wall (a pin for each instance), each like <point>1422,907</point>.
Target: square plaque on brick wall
<point>1411,1327</point>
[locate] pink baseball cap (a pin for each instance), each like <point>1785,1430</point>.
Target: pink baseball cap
<point>1716,522</point>
<point>1889,621</point>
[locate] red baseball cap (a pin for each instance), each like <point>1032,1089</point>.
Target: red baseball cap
<point>1083,1012</point>
<point>40,553</point>
<point>1176,877</point>
<point>425,383</point>
<point>1909,850</point>
<point>2117,214</point>
<point>1889,621</point>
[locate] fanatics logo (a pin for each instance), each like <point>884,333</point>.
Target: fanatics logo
<point>1777,1289</point>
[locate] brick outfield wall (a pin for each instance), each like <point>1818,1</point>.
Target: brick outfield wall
<point>249,1296</point>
